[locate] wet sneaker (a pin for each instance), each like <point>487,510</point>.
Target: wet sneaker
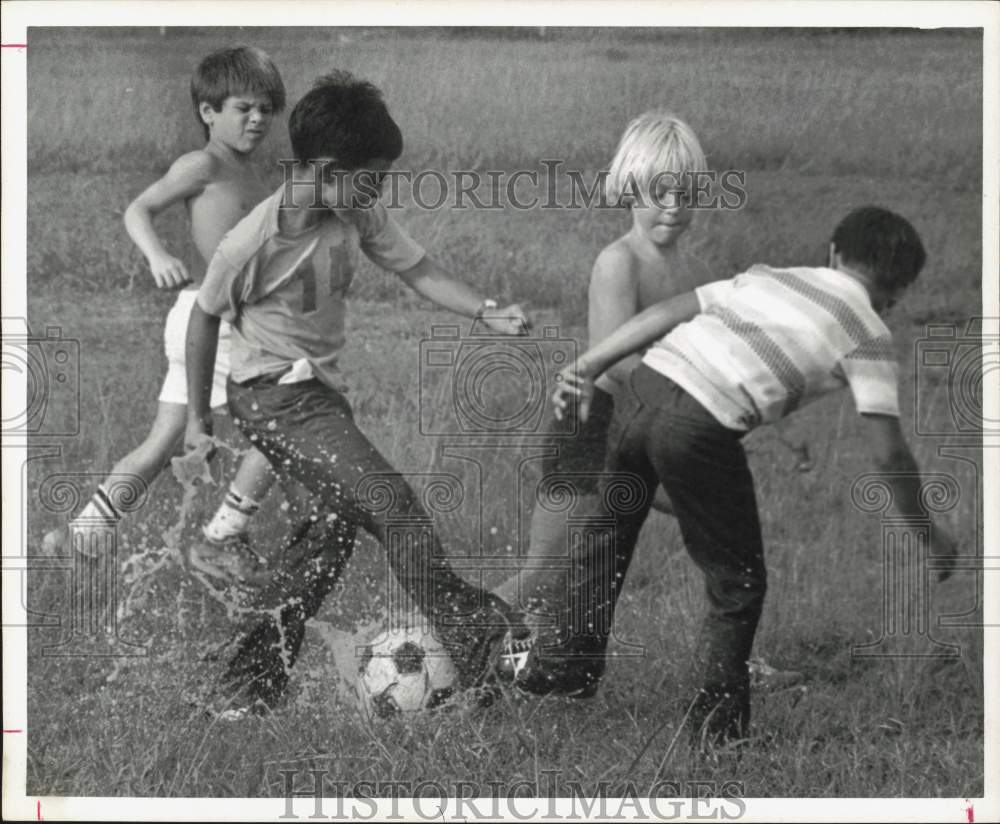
<point>767,678</point>
<point>513,658</point>
<point>230,561</point>
<point>519,666</point>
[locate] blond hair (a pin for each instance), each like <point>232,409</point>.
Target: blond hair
<point>656,142</point>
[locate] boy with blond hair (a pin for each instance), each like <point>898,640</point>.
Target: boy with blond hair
<point>236,92</point>
<point>651,175</point>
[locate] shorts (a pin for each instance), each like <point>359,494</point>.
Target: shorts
<point>175,345</point>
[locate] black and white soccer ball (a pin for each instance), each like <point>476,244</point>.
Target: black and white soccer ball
<point>404,671</point>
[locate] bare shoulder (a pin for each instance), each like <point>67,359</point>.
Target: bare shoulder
<point>187,177</point>
<point>616,266</point>
<point>197,168</point>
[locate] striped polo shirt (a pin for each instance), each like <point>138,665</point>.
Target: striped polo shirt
<point>771,340</point>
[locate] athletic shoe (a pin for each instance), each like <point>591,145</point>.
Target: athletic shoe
<point>231,561</point>
<point>513,659</point>
<point>520,666</point>
<point>478,652</point>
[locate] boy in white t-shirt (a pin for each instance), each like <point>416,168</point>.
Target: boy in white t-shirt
<point>281,278</point>
<point>733,355</point>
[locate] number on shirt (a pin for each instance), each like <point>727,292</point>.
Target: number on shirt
<point>339,272</point>
<point>338,277</point>
<point>307,274</point>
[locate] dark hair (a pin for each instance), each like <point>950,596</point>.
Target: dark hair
<point>229,72</point>
<point>346,119</point>
<point>885,244</point>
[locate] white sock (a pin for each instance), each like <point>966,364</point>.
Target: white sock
<point>232,517</point>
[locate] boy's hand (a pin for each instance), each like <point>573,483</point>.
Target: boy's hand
<point>509,320</point>
<point>572,386</point>
<point>169,272</point>
<point>191,469</point>
<point>198,437</point>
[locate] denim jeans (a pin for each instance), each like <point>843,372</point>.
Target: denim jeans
<point>307,432</point>
<point>669,438</point>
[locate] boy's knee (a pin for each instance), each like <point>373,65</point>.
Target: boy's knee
<point>738,594</point>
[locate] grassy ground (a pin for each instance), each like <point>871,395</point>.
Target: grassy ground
<point>820,124</point>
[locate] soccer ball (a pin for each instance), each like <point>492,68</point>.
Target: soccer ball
<point>404,671</point>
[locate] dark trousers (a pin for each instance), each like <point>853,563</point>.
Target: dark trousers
<point>667,437</point>
<point>307,432</point>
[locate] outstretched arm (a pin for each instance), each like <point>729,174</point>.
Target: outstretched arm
<point>893,457</point>
<point>576,381</point>
<point>435,284</point>
<point>187,177</point>
<point>640,331</point>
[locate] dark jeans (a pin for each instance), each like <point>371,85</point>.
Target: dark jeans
<point>669,438</point>
<point>307,432</point>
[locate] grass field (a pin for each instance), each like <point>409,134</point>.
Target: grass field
<point>819,122</point>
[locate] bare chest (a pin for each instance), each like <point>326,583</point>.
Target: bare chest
<point>230,196</point>
<point>658,283</point>
<point>219,207</point>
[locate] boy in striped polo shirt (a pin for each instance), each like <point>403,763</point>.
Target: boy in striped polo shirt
<point>732,355</point>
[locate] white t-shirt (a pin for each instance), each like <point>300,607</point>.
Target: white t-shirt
<point>771,340</point>
<point>285,296</point>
